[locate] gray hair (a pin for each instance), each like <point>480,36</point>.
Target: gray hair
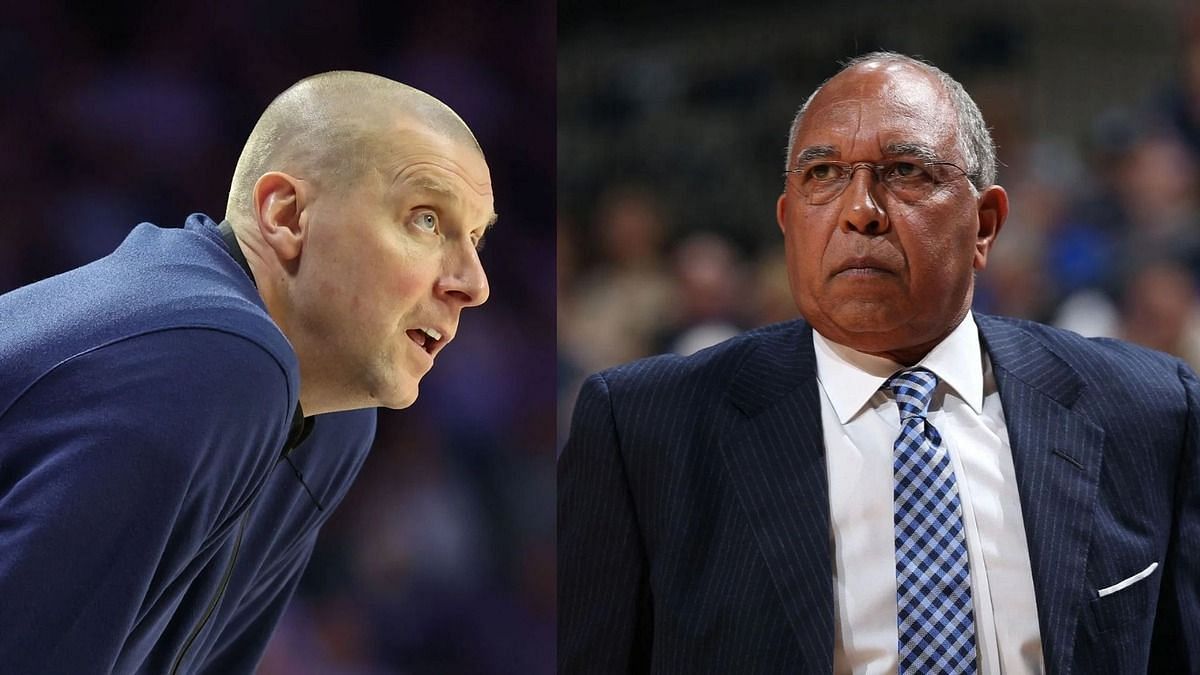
<point>974,140</point>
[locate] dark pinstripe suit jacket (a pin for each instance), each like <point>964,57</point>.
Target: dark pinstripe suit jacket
<point>694,510</point>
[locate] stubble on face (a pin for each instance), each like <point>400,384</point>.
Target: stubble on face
<point>375,275</point>
<point>437,175</point>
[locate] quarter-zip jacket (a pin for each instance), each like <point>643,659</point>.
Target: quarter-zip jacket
<point>145,405</point>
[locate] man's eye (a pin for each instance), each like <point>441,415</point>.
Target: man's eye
<point>905,170</point>
<point>426,220</point>
<point>823,172</point>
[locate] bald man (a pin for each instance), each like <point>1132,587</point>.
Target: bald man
<point>179,418</point>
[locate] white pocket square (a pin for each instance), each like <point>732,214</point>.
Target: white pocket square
<point>1122,585</point>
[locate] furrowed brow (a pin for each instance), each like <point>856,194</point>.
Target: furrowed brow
<point>431,184</point>
<point>434,185</point>
<point>918,150</point>
<point>815,152</point>
<point>443,189</point>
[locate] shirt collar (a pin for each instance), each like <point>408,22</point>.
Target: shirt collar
<point>235,249</point>
<point>850,378</point>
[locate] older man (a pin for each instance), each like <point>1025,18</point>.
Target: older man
<point>894,483</point>
<point>179,418</point>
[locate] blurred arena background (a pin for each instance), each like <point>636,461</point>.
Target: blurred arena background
<point>672,126</point>
<point>441,559</point>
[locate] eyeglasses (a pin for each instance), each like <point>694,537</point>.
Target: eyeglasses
<point>910,180</point>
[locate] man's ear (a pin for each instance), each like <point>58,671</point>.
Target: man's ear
<point>780,209</point>
<point>279,201</point>
<point>993,211</point>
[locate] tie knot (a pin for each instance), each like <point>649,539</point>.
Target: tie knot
<point>913,390</point>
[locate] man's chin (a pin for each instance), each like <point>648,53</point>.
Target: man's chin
<point>401,400</point>
<point>396,395</point>
<point>859,321</point>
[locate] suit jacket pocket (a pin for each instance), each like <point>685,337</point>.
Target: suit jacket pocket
<point>1124,602</point>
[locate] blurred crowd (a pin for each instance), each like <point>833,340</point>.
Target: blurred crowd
<point>667,237</point>
<point>441,560</point>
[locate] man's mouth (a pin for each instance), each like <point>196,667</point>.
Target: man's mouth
<point>429,339</point>
<point>863,265</point>
<point>863,270</point>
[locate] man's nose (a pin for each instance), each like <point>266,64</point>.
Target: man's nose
<point>861,210</point>
<point>464,280</point>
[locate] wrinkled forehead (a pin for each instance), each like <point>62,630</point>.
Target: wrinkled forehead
<point>446,169</point>
<point>878,104</point>
<point>410,148</point>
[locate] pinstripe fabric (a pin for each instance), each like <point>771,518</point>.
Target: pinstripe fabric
<point>1108,478</point>
<point>694,511</point>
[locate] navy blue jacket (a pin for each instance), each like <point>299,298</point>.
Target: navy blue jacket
<point>149,520</point>
<point>694,524</point>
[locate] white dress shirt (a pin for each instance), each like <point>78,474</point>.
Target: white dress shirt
<point>860,425</point>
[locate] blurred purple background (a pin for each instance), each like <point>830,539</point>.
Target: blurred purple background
<point>441,559</point>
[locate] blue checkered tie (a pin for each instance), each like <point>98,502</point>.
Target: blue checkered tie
<point>933,580</point>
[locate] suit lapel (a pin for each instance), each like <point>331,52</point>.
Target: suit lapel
<point>775,455</point>
<point>1057,454</point>
<point>774,452</point>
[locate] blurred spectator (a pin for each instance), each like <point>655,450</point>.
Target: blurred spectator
<point>622,303</point>
<point>1143,208</point>
<point>1160,310</point>
<point>773,300</point>
<point>711,300</point>
<point>1180,103</point>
